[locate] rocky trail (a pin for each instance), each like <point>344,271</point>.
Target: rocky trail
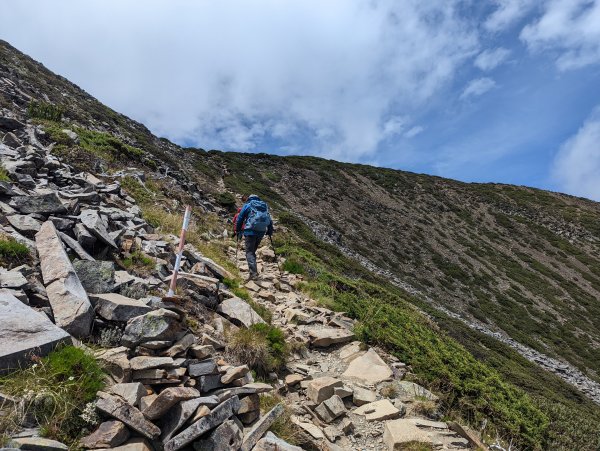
<point>95,278</point>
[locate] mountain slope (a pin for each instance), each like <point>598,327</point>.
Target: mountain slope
<point>521,260</point>
<point>517,259</point>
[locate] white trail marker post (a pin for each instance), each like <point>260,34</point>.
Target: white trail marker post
<point>186,222</point>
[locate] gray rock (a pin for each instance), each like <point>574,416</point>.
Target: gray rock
<point>85,238</point>
<point>330,409</point>
<point>203,368</point>
<point>136,444</point>
<point>234,373</point>
<point>228,436</point>
<point>44,204</point>
<point>131,392</point>
<point>24,224</point>
<point>96,226</point>
<point>260,427</point>
<point>328,336</point>
<point>116,363</point>
<point>70,304</point>
<point>270,442</point>
<point>6,189</point>
<point>116,307</point>
<point>24,331</point>
<point>13,280</point>
<point>181,346</point>
<point>96,276</point>
<point>117,408</point>
<point>210,382</point>
<point>147,362</point>
<point>159,324</point>
<point>167,399</point>
<point>239,312</point>
<point>108,435</point>
<point>75,246</point>
<point>40,444</point>
<point>217,416</point>
<point>177,417</point>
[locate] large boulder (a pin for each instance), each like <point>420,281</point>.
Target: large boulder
<point>70,304</point>
<point>327,336</point>
<point>44,204</point>
<point>369,368</point>
<point>239,312</point>
<point>116,307</point>
<point>23,331</point>
<point>97,226</point>
<point>158,324</point>
<point>96,276</point>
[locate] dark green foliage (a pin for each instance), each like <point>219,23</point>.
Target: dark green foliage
<point>45,110</point>
<point>107,146</point>
<point>226,200</point>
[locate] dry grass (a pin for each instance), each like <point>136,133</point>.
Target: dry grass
<point>389,391</point>
<point>283,426</point>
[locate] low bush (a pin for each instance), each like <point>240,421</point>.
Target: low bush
<point>226,200</point>
<point>4,177</point>
<point>55,391</point>
<point>262,347</point>
<point>45,110</point>
<point>138,262</point>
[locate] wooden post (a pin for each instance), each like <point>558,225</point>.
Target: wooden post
<point>184,227</point>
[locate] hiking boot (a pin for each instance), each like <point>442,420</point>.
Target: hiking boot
<point>252,276</point>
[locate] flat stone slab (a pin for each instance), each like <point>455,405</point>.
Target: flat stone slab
<point>70,304</point>
<point>328,336</point>
<point>396,433</point>
<point>116,307</point>
<point>378,411</point>
<point>368,368</point>
<point>24,332</point>
<point>239,312</point>
<point>40,444</point>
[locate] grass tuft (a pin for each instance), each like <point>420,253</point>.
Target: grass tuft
<point>283,427</point>
<point>54,393</point>
<point>13,253</point>
<point>262,347</point>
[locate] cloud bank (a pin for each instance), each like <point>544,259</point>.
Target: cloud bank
<point>577,164</point>
<point>310,76</point>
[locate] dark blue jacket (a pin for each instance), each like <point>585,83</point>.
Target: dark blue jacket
<point>244,215</point>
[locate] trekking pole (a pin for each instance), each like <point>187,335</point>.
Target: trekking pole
<point>184,227</point>
<point>276,257</point>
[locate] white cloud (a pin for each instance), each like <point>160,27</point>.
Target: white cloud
<point>478,87</point>
<point>490,59</point>
<point>577,164</point>
<point>414,131</point>
<point>508,13</point>
<point>569,28</point>
<point>314,75</point>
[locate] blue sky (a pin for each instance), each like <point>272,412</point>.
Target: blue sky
<point>499,90</point>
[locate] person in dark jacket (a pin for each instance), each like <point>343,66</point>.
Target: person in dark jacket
<point>253,221</point>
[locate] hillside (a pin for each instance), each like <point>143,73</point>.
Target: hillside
<point>516,260</point>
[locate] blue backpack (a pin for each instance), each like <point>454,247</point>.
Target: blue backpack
<point>258,216</point>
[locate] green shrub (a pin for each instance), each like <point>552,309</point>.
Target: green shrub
<point>262,311</point>
<point>139,262</point>
<point>226,200</point>
<point>12,253</point>
<point>107,146</point>
<point>45,110</point>
<point>55,391</point>
<point>283,427</point>
<point>4,177</point>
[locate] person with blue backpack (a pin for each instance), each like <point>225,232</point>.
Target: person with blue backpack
<point>253,221</point>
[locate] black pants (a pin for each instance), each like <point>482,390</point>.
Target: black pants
<point>252,242</point>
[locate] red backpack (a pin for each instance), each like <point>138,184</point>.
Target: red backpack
<point>235,221</point>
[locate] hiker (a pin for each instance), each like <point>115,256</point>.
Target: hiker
<point>253,221</point>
